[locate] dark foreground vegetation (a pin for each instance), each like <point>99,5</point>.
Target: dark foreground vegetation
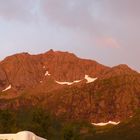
<point>53,128</point>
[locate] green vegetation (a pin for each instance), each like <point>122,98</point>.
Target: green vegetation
<point>43,124</point>
<point>53,128</point>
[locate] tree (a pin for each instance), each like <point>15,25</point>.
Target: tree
<point>7,121</point>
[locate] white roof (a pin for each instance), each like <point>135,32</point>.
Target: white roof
<point>23,135</point>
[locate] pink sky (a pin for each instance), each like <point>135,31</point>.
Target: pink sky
<point>104,30</point>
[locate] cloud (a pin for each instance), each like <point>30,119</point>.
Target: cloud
<point>87,14</point>
<point>107,42</point>
<point>126,9</point>
<point>90,13</point>
<point>17,9</point>
<point>69,13</point>
<point>96,18</point>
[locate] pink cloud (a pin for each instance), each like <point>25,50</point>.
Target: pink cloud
<point>17,9</point>
<point>107,42</point>
<point>69,13</point>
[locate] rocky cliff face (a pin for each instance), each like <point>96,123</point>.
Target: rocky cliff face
<point>64,84</point>
<point>65,66</point>
<point>3,78</point>
<point>25,70</point>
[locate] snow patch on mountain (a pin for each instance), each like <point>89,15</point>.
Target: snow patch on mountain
<point>107,123</point>
<point>90,79</point>
<point>9,87</point>
<point>47,73</point>
<point>68,83</point>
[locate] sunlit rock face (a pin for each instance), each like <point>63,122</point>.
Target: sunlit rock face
<point>66,85</point>
<point>26,71</point>
<point>3,78</point>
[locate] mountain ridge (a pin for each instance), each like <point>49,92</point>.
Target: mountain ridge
<point>69,86</point>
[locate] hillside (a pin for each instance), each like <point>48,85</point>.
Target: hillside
<point>69,87</point>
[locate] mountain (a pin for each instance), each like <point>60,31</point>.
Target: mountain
<point>25,70</point>
<point>69,87</point>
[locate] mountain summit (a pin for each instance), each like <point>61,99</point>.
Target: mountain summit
<point>25,70</point>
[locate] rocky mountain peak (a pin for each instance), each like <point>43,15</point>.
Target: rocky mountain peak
<point>71,86</point>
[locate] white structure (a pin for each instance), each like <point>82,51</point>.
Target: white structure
<point>23,135</point>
